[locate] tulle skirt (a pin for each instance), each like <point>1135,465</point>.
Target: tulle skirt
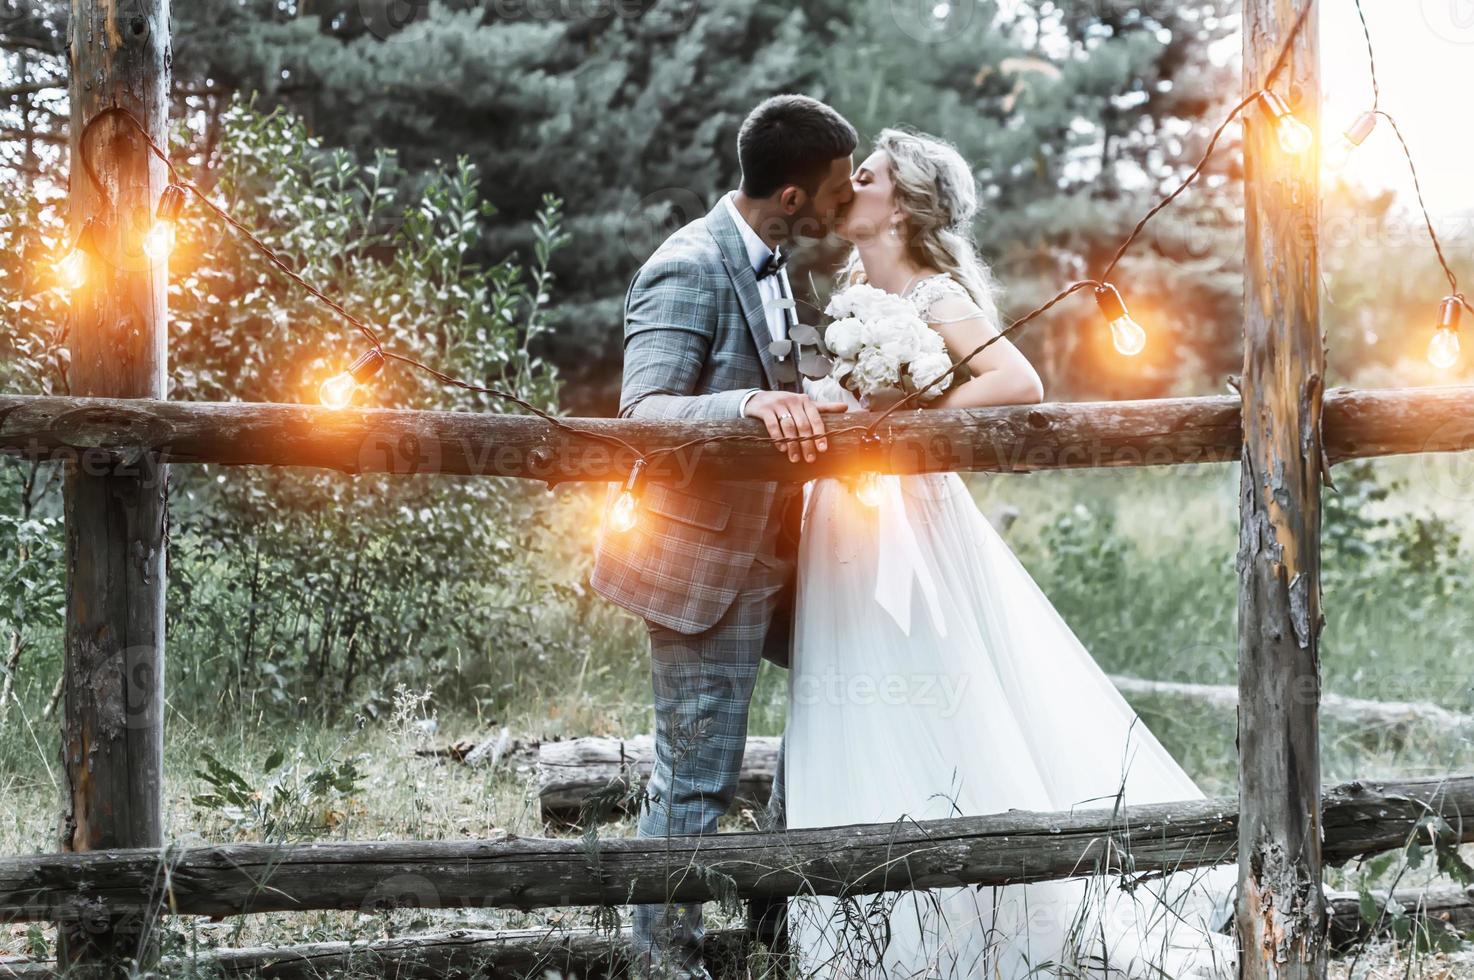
<point>932,678</point>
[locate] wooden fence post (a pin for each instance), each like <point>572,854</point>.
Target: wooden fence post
<point>112,739</point>
<point>1282,911</point>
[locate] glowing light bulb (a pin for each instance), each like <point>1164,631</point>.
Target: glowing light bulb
<point>1443,349</point>
<point>869,489</point>
<point>1126,334</point>
<point>1295,137</point>
<point>626,509</point>
<point>158,242</point>
<point>1338,153</point>
<point>71,268</point>
<point>338,391</point>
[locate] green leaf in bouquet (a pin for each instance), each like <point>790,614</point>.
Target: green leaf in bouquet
<point>814,365</point>
<point>804,334</point>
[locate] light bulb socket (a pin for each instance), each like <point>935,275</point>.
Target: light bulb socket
<point>1450,311</point>
<point>86,238</point>
<point>1108,298</point>
<point>1273,104</point>
<point>367,365</point>
<point>635,482</point>
<point>1361,128</point>
<point>171,202</point>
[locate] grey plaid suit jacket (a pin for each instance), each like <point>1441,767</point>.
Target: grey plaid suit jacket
<point>695,340</point>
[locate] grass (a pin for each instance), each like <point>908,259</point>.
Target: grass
<point>1140,562</point>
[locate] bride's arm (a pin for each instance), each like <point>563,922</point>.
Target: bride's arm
<point>1001,374</point>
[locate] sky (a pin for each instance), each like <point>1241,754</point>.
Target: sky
<point>1425,65</point>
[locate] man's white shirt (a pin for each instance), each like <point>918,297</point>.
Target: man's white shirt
<point>770,289</point>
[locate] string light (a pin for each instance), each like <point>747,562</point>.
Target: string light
<point>337,391</point>
<point>626,509</point>
<point>71,268</point>
<point>869,489</point>
<point>1335,157</point>
<point>1443,349</point>
<point>1126,333</point>
<point>158,242</point>
<point>1295,137</point>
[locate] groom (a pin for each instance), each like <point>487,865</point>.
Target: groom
<point>710,565</point>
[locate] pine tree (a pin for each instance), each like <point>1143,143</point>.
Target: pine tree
<point>1075,115</point>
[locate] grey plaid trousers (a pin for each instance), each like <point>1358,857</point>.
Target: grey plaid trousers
<point>703,684</point>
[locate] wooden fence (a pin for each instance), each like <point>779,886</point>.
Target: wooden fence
<point>118,437</point>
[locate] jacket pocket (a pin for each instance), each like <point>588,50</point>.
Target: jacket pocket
<point>702,512</point>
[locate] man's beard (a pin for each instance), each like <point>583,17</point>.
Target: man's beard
<point>809,223</point>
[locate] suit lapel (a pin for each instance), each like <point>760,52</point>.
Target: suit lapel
<point>734,255</point>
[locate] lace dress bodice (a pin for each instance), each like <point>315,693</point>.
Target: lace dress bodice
<point>925,292</point>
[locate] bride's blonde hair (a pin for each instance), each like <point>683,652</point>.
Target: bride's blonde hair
<point>934,186</point>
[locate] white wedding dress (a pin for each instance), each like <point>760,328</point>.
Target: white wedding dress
<point>932,678</point>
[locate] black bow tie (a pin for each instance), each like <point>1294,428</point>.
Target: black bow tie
<point>775,261</point>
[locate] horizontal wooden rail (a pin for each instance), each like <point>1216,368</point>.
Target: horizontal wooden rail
<point>465,953</point>
<point>1359,818</point>
<point>595,955</point>
<point>590,770</point>
<point>105,433</point>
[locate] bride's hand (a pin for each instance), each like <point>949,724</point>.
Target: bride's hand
<point>789,415</point>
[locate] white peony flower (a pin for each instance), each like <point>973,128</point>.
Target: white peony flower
<point>932,342</point>
<point>851,300</point>
<point>926,368</point>
<point>843,337</point>
<point>875,370</point>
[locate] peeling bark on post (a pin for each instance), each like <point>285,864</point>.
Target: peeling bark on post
<point>1282,915</point>
<point>112,738</point>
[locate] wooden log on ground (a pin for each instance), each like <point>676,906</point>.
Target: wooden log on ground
<point>1361,711</point>
<point>1361,818</point>
<point>1446,907</point>
<point>103,434</point>
<point>471,954</point>
<point>461,954</point>
<point>573,772</point>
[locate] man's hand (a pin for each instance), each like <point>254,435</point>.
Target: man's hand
<point>789,415</point>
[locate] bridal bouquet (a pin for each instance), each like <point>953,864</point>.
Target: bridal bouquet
<point>880,346</point>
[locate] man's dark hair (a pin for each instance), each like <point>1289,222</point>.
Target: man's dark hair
<point>791,139</point>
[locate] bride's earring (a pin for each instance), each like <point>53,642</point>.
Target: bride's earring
<point>895,232</point>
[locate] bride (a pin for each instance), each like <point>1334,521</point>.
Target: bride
<point>980,700</point>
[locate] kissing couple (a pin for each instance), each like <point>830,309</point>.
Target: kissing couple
<point>876,591</point>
